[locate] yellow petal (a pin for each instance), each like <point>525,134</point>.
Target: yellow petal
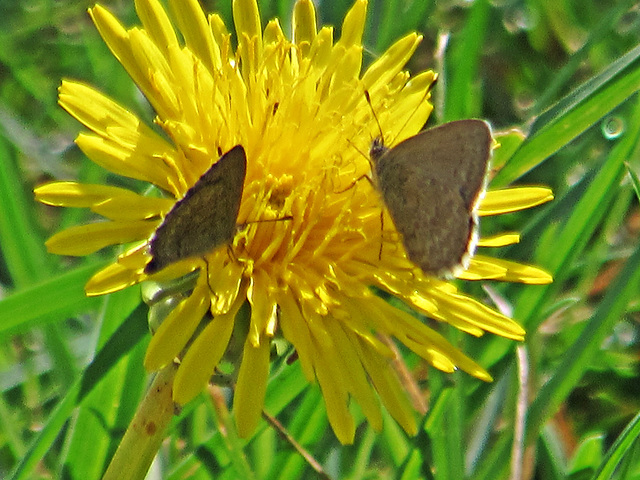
<point>353,24</point>
<point>295,330</point>
<point>119,159</point>
<point>111,279</point>
<point>113,203</point>
<point>500,240</point>
<point>508,200</point>
<point>465,311</point>
<point>329,371</point>
<point>225,281</point>
<point>251,386</point>
<point>390,390</point>
<point>385,68</point>
<point>196,31</point>
<point>249,31</point>
<point>304,25</point>
<point>203,356</point>
<point>356,377</point>
<point>156,22</point>
<point>73,194</point>
<point>85,239</point>
<point>177,328</point>
<point>221,38</point>
<point>133,207</point>
<point>117,39</point>
<point>514,271</point>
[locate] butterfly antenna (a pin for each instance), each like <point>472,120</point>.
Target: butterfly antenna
<point>264,220</point>
<point>424,97</point>
<point>373,111</point>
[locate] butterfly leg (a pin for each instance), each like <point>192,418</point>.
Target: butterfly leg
<point>381,233</point>
<point>355,182</point>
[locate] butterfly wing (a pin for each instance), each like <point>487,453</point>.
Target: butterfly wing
<point>430,184</point>
<point>205,217</point>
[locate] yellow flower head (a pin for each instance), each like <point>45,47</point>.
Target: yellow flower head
<point>309,244</point>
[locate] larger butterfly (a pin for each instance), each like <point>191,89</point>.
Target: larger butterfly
<point>431,184</point>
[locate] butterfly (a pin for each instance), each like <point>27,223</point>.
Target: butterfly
<point>205,217</point>
<point>431,184</point>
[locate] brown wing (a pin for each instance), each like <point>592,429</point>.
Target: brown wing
<point>430,183</point>
<point>205,217</point>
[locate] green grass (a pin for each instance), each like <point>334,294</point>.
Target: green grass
<point>565,404</point>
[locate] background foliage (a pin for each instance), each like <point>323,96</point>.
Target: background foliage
<point>566,72</point>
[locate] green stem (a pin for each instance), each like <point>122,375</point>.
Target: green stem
<point>145,433</point>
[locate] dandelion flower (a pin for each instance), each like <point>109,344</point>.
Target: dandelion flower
<point>298,110</point>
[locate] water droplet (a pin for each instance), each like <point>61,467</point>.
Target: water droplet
<point>612,127</point>
<point>624,335</point>
<point>501,3</point>
<point>629,22</point>
<point>524,101</point>
<point>520,18</point>
<point>575,174</point>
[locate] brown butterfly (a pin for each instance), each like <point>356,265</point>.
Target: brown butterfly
<point>205,217</point>
<point>431,184</point>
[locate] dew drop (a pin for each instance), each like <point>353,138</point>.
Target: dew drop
<point>519,19</point>
<point>629,22</point>
<point>612,127</point>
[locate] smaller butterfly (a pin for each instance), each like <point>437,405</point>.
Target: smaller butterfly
<point>205,217</point>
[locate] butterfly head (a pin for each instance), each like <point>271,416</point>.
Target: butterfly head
<point>378,149</point>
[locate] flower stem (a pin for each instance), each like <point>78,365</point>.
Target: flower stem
<point>145,433</point>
